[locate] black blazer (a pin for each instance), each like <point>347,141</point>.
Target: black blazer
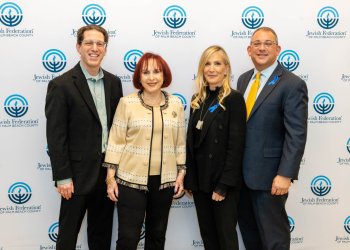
<point>218,159</point>
<point>276,129</point>
<point>73,128</point>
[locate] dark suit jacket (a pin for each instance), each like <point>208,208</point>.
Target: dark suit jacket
<point>73,129</point>
<point>218,159</point>
<point>276,129</point>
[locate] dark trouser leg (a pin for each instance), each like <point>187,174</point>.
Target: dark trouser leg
<point>131,207</point>
<point>247,223</point>
<point>225,213</point>
<point>72,212</point>
<point>157,213</point>
<point>272,219</point>
<point>206,220</point>
<point>100,216</point>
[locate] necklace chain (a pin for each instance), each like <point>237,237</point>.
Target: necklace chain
<point>200,122</point>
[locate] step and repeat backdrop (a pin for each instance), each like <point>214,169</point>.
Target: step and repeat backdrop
<point>38,44</point>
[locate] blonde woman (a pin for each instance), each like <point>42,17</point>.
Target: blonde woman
<point>215,143</point>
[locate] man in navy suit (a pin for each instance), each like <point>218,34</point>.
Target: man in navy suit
<point>275,142</point>
<point>80,105</point>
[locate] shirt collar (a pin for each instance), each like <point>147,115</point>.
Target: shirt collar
<point>268,71</point>
<point>99,76</point>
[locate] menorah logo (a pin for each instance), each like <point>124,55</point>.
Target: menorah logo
<point>53,232</point>
<point>10,14</point>
<point>291,224</point>
<point>347,224</point>
<point>143,231</point>
<point>323,103</point>
<point>252,17</point>
<point>94,14</point>
<point>16,105</point>
<point>328,17</point>
<point>174,17</point>
<point>289,59</point>
<point>182,99</point>
<point>19,193</point>
<point>130,59</point>
<point>321,185</point>
<point>54,60</point>
<point>348,145</point>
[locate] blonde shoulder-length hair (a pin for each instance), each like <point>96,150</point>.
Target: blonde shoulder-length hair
<point>202,83</point>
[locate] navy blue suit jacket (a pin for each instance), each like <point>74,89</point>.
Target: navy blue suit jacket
<point>276,129</point>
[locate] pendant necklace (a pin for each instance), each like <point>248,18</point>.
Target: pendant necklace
<point>200,122</point>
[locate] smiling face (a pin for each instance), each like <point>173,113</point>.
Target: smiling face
<point>91,54</point>
<point>215,70</point>
<point>152,77</point>
<point>263,49</point>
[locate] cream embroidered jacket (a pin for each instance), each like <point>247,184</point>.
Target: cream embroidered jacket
<point>129,143</point>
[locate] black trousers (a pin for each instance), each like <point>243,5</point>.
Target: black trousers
<point>263,220</point>
<point>99,218</point>
<point>133,205</point>
<point>217,220</point>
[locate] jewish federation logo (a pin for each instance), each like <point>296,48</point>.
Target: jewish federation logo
<point>289,60</point>
<point>19,193</point>
<point>174,16</point>
<point>323,103</point>
<point>348,145</point>
<point>321,185</point>
<point>54,60</point>
<point>347,224</point>
<point>53,232</point>
<point>10,14</point>
<point>252,17</point>
<point>130,59</point>
<point>291,224</point>
<point>182,99</point>
<point>328,17</point>
<point>16,105</point>
<point>94,14</point>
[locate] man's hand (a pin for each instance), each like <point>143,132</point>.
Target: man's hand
<point>217,197</point>
<point>66,190</point>
<point>280,185</point>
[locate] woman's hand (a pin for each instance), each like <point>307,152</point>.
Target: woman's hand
<point>179,185</point>
<point>112,191</point>
<point>217,197</point>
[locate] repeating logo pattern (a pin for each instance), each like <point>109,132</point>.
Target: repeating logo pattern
<point>182,99</point>
<point>174,16</point>
<point>347,224</point>
<point>291,224</point>
<point>16,105</point>
<point>289,60</point>
<point>131,58</point>
<point>323,103</point>
<point>53,232</point>
<point>348,145</point>
<point>19,193</point>
<point>94,14</point>
<point>252,17</point>
<point>328,17</point>
<point>321,185</point>
<point>54,60</point>
<point>10,14</point>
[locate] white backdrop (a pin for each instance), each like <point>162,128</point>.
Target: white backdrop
<point>38,43</point>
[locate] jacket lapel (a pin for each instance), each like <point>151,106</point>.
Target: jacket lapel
<point>208,120</point>
<point>268,88</point>
<point>107,88</point>
<point>245,82</point>
<point>82,85</point>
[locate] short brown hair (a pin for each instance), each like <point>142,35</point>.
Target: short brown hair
<point>143,63</point>
<point>268,29</point>
<point>80,33</point>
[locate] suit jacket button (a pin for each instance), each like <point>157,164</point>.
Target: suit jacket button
<point>210,156</point>
<point>216,141</point>
<point>148,137</point>
<point>145,163</point>
<point>220,126</point>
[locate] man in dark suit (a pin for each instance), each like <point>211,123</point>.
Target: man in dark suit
<point>80,106</point>
<point>276,102</point>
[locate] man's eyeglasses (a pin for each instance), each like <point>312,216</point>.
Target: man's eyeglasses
<point>90,43</point>
<point>267,44</point>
